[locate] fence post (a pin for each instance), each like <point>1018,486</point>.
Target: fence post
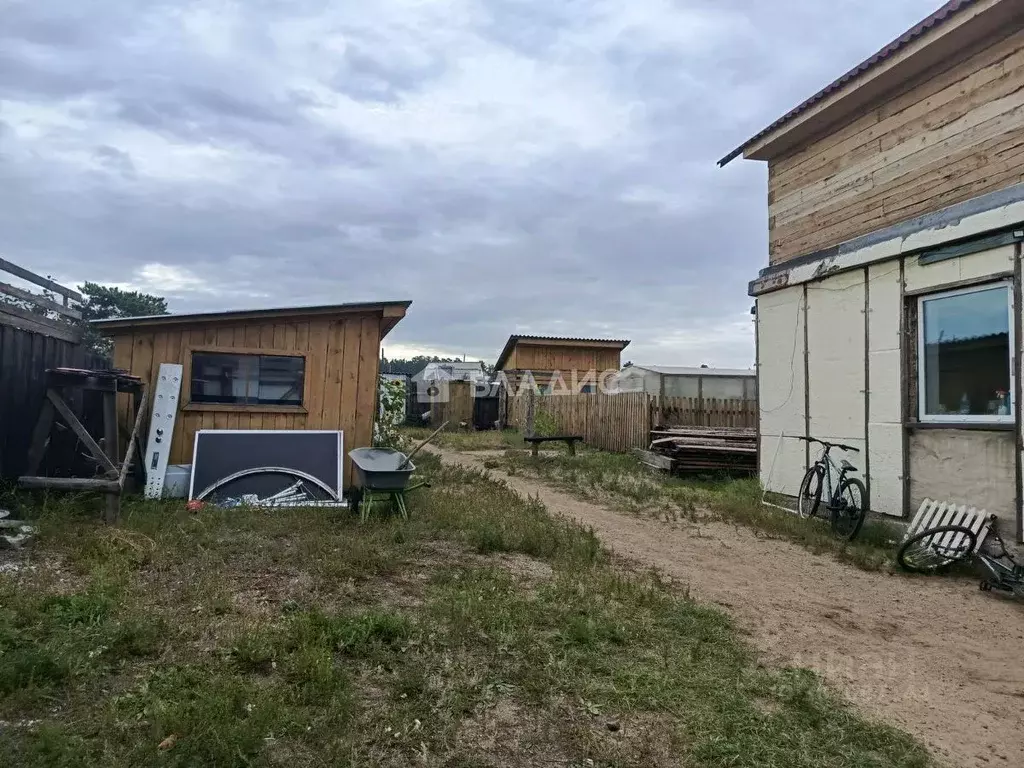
<point>661,400</point>
<point>528,427</point>
<point>702,420</point>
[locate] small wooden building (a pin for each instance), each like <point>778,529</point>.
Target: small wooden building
<point>581,363</point>
<point>291,368</point>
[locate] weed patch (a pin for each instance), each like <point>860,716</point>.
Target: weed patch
<point>603,476</point>
<point>481,632</point>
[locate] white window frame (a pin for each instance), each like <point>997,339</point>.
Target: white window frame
<point>957,418</point>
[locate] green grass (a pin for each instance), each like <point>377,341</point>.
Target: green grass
<point>483,632</point>
<point>460,440</point>
<point>623,480</point>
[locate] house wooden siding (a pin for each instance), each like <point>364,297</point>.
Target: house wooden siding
<point>945,138</point>
<point>546,357</point>
<point>342,356</point>
<point>573,359</point>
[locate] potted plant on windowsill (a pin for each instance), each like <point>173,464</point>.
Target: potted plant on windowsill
<point>1002,402</point>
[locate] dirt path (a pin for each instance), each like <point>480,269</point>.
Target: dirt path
<point>936,657</point>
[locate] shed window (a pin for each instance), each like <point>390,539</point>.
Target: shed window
<point>965,343</point>
<point>247,379</point>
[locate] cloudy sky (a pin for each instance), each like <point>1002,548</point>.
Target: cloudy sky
<point>509,165</point>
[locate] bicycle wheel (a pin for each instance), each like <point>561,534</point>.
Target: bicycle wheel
<point>809,496</point>
<point>848,515</point>
<point>935,548</point>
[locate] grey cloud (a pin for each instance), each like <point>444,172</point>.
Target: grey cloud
<point>635,234</point>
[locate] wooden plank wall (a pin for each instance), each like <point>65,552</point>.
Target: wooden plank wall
<point>342,359</point>
<point>24,358</point>
<point>940,141</point>
<point>609,422</point>
<point>624,421</point>
<point>458,408</point>
<point>541,357</point>
<point>709,412</point>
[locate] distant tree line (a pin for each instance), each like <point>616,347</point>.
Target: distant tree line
<point>413,365</point>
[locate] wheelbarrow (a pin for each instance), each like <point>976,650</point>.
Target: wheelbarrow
<point>384,474</point>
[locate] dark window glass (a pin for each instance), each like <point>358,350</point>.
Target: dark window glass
<point>966,354</point>
<point>247,379</point>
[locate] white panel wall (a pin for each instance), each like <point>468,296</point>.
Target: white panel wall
<point>780,328</point>
<point>837,349</point>
<point>972,267</point>
<point>835,342</point>
<point>885,431</point>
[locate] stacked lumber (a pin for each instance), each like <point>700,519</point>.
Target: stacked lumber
<point>702,449</point>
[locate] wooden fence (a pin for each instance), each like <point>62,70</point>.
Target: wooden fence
<point>705,412</point>
<point>456,408</point>
<point>610,422</point>
<point>34,337</point>
<point>624,421</point>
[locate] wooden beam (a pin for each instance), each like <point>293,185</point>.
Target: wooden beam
<point>20,318</point>
<point>40,301</point>
<point>42,282</point>
<point>81,432</point>
<point>113,447</point>
<point>40,437</point>
<point>70,483</point>
<point>133,440</point>
<point>653,460</point>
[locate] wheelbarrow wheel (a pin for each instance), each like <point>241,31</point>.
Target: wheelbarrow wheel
<point>356,499</point>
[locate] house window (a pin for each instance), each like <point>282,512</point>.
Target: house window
<point>231,379</point>
<point>965,358</point>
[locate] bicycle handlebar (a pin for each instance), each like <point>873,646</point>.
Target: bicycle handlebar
<point>825,444</point>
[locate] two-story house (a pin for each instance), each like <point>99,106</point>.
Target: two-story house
<point>889,314</point>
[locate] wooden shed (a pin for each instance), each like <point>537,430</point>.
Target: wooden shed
<point>290,368</point>
<point>580,363</point>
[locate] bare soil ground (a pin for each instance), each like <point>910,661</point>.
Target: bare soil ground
<point>934,656</point>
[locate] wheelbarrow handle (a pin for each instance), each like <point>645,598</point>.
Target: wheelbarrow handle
<point>414,486</point>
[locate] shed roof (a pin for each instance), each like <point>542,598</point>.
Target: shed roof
<point>900,51</point>
<point>390,311</point>
<point>437,371</point>
<point>565,341</point>
<point>680,370</point>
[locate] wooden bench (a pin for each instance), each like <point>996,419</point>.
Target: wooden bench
<point>569,440</point>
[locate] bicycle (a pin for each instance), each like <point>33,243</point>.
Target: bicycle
<point>846,501</point>
<point>936,548</point>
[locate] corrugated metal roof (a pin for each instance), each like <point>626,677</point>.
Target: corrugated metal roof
<point>517,337</point>
<point>946,12</point>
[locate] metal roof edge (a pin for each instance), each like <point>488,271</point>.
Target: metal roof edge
<point>227,315</point>
<point>933,21</point>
